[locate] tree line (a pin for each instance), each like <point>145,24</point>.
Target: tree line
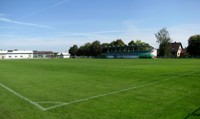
<point>194,46</point>
<point>164,40</point>
<point>95,48</point>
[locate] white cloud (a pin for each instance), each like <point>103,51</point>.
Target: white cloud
<point>46,8</point>
<point>3,19</point>
<point>62,42</point>
<point>39,43</point>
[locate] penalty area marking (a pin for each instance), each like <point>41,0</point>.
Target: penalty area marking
<point>115,92</point>
<point>49,102</point>
<point>60,104</point>
<point>22,97</point>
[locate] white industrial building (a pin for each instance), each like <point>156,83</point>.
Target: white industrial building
<point>63,55</point>
<point>16,54</point>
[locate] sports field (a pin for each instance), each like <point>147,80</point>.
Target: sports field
<point>100,89</point>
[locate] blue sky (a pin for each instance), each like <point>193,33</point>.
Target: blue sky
<point>58,24</point>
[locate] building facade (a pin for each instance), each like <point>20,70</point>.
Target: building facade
<point>28,54</point>
<point>176,49</point>
<point>128,52</point>
<point>63,55</point>
<point>43,54</point>
<point>16,54</point>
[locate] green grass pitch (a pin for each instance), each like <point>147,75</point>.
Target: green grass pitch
<point>100,89</point>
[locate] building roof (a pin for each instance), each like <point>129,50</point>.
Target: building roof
<point>63,53</point>
<point>183,51</point>
<point>3,51</point>
<point>42,52</point>
<point>175,46</point>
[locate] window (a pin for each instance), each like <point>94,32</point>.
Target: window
<point>21,56</point>
<point>9,56</point>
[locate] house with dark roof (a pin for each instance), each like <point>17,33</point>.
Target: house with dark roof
<point>176,49</point>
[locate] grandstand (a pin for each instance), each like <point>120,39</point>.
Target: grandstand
<point>128,52</point>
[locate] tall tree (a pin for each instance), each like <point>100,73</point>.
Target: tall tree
<point>96,48</point>
<point>105,44</point>
<point>86,49</point>
<point>194,45</point>
<point>104,47</point>
<point>139,45</point>
<point>117,42</point>
<point>164,40</point>
<point>73,50</point>
<point>131,43</point>
<point>80,51</point>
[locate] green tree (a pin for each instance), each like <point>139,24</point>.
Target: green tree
<point>131,43</point>
<point>80,51</point>
<point>164,40</point>
<point>117,42</point>
<point>139,45</point>
<point>86,49</point>
<point>73,50</point>
<point>194,45</point>
<point>96,48</point>
<point>105,44</point>
<point>105,47</point>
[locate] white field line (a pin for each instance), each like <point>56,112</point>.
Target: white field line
<point>22,97</point>
<point>49,102</point>
<point>59,104</point>
<point>114,92</point>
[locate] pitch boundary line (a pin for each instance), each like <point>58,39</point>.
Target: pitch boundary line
<point>22,97</point>
<point>60,104</point>
<point>49,102</point>
<point>114,92</point>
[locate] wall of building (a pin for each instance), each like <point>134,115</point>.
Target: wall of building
<point>131,55</point>
<point>25,54</point>
<point>2,56</point>
<point>16,54</point>
<point>63,55</point>
<point>179,52</point>
<point>154,53</point>
<point>43,54</point>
